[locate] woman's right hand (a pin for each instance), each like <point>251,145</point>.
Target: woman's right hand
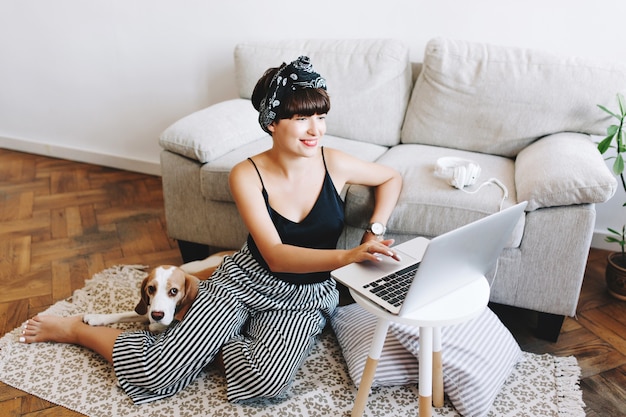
<point>372,250</point>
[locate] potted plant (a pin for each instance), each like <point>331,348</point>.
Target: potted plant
<point>616,268</point>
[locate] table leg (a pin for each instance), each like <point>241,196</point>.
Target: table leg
<point>370,367</point>
<point>426,371</point>
<point>437,369</point>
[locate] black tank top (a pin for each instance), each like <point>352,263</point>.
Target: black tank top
<point>320,229</point>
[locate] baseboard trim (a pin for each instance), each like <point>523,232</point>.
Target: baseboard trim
<point>82,155</point>
<point>598,241</point>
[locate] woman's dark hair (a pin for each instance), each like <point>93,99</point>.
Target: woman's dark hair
<point>302,102</point>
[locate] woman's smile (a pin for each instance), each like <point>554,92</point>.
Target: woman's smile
<point>311,143</point>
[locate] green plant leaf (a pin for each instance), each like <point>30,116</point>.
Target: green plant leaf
<point>618,165</point>
<point>609,111</point>
<point>605,144</point>
<point>622,108</point>
<point>615,232</point>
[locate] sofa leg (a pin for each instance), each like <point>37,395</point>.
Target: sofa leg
<point>549,326</point>
<point>191,251</point>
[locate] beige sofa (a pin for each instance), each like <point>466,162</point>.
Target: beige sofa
<point>525,117</point>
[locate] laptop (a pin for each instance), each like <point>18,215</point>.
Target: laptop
<point>432,268</point>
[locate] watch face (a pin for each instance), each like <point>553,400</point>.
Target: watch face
<point>377,228</point>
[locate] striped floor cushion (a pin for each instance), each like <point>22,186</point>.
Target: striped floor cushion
<point>354,328</point>
<point>478,356</point>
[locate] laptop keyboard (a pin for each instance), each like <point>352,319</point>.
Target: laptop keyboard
<point>393,287</point>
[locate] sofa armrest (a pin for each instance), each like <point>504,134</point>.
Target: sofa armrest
<point>214,131</point>
<point>561,170</point>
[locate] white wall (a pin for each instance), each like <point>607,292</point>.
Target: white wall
<point>98,81</point>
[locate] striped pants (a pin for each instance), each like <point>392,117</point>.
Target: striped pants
<point>265,328</point>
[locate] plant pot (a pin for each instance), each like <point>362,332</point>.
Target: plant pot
<point>616,275</point>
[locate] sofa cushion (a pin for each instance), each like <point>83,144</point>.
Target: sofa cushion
<point>562,169</point>
<point>478,356</point>
<point>214,175</point>
<point>497,100</point>
<point>369,81</point>
<point>214,131</point>
<point>429,206</point>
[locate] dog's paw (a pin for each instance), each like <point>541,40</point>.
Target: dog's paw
<point>95,319</point>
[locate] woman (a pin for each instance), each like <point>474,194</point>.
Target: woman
<point>264,306</point>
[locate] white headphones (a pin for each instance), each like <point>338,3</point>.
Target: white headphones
<point>458,171</point>
<point>461,173</point>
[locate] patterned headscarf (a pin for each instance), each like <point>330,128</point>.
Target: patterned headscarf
<point>298,74</point>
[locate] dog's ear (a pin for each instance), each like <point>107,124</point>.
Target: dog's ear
<point>191,289</point>
<point>144,301</point>
<point>191,292</point>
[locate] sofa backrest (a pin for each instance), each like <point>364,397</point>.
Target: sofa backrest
<point>497,100</point>
<point>369,81</point>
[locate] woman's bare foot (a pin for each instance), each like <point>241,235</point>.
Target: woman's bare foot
<point>51,329</point>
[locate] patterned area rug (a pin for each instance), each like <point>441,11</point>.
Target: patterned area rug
<point>541,385</point>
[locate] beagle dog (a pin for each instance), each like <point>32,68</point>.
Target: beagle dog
<point>166,294</point>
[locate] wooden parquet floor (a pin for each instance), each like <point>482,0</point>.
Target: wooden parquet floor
<point>61,222</point>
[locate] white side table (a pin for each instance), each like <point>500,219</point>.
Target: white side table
<point>457,307</point>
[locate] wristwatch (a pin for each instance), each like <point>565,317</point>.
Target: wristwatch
<point>377,229</point>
